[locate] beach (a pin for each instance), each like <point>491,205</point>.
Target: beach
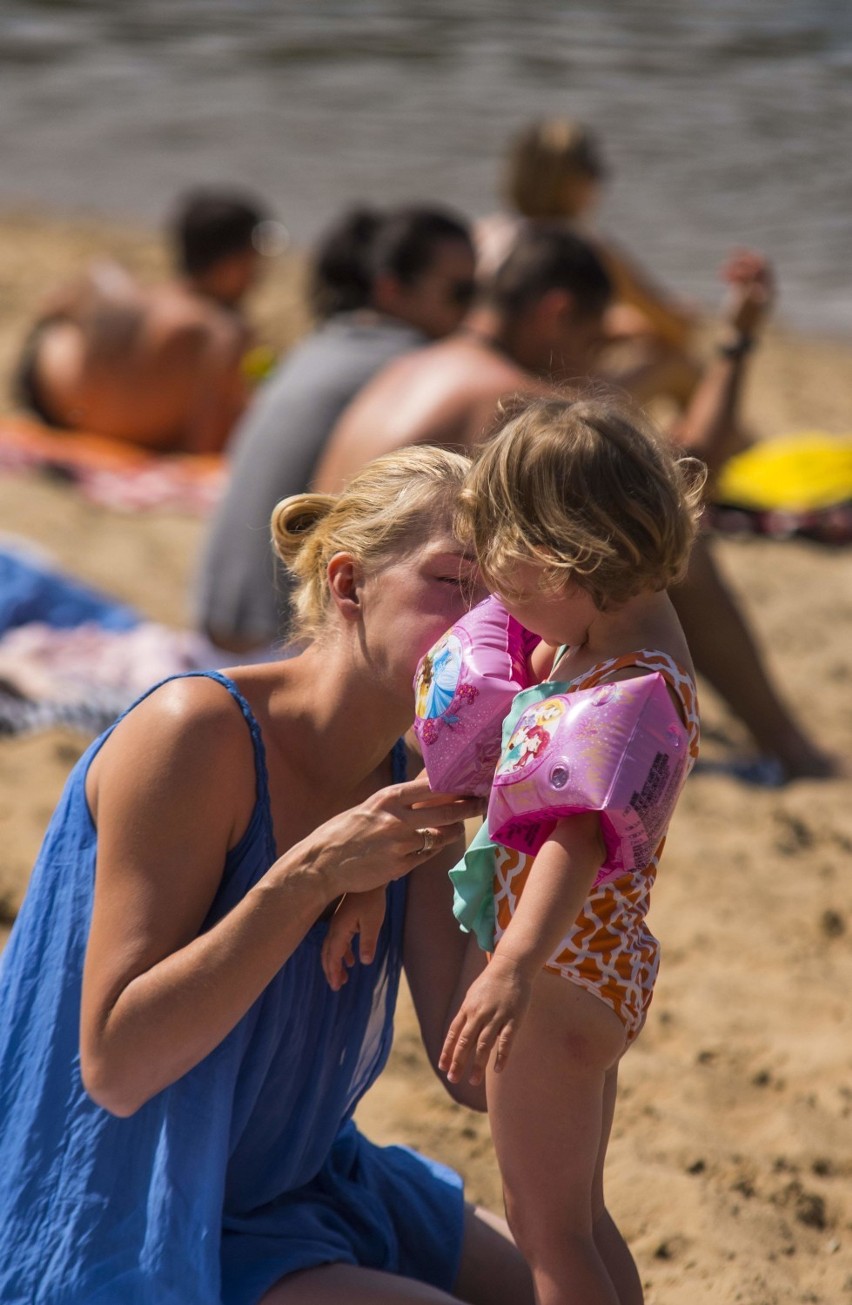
<point>731,1158</point>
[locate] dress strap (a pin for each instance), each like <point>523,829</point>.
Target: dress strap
<point>399,762</point>
<point>254,729</point>
<point>261,771</point>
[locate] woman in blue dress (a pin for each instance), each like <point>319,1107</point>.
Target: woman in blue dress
<point>177,1080</point>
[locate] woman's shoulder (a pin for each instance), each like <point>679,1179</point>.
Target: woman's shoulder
<point>186,731</point>
<point>201,708</point>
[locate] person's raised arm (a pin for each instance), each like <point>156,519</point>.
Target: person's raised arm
<point>710,427</point>
<point>659,313</point>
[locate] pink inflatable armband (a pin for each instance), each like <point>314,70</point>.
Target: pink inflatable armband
<point>620,749</point>
<point>464,688</point>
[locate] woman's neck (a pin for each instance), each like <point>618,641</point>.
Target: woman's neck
<point>487,328</point>
<point>342,723</point>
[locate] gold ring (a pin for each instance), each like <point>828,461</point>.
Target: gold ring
<point>429,840</point>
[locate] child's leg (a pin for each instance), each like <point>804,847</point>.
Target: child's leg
<point>612,1247</point>
<point>550,1112</point>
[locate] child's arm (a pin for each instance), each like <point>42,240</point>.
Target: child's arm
<point>357,913</point>
<point>553,897</point>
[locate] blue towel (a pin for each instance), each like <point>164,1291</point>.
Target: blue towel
<point>32,591</point>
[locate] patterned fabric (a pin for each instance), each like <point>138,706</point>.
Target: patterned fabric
<point>609,950</point>
<point>114,473</point>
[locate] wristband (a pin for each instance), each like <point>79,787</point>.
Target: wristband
<point>738,347</point>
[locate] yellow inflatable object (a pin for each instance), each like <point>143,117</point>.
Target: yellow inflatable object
<point>807,470</point>
<point>257,363</point>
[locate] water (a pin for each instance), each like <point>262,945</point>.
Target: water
<point>724,123</point>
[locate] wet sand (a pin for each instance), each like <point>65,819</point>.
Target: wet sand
<point>731,1158</point>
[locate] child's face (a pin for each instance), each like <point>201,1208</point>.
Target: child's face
<point>560,617</point>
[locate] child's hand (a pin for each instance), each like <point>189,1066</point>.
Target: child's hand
<point>357,913</point>
<point>491,1012</point>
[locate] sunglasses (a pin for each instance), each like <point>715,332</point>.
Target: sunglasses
<point>461,293</point>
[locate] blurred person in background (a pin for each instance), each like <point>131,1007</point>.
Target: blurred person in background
<point>156,366</point>
<point>555,171</point>
<point>381,284</point>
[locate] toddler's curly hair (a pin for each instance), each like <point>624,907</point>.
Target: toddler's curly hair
<point>590,490</point>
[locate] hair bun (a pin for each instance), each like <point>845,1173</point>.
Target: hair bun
<point>294,520</point>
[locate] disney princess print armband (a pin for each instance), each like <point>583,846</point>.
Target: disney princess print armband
<point>620,749</point>
<point>464,688</point>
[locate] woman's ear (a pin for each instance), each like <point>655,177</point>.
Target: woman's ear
<point>344,581</point>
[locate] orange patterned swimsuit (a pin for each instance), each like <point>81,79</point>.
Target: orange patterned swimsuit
<point>609,950</point>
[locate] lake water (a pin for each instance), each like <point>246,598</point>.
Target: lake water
<point>723,122</point>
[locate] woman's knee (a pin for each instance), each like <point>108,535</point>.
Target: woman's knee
<point>492,1269</point>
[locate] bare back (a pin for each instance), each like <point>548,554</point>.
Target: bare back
<point>158,367</point>
<point>446,394</point>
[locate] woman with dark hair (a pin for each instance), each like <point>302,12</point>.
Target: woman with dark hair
<point>382,284</point>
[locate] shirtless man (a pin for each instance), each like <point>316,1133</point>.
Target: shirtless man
<point>156,366</point>
<point>540,323</point>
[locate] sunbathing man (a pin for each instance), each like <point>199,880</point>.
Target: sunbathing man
<point>157,366</point>
<point>382,284</point>
<point>540,321</point>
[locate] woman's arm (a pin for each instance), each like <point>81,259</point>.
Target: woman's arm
<point>558,885</point>
<point>173,790</point>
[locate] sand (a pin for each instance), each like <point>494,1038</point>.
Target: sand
<point>731,1161</point>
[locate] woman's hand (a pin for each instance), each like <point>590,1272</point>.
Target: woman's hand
<point>490,1015</point>
<point>386,836</point>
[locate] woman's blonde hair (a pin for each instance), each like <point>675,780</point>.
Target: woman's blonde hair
<point>543,159</point>
<point>384,511</point>
<point>588,489</point>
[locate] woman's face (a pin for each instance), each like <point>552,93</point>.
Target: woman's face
<point>410,603</point>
